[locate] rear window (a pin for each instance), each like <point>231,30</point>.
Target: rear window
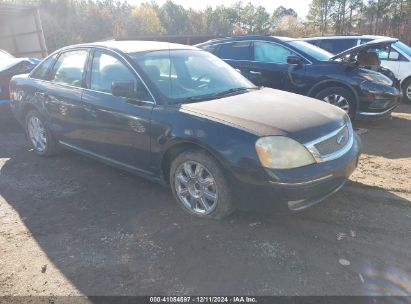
<point>314,42</point>
<point>41,72</point>
<point>336,46</point>
<point>209,48</point>
<point>235,51</point>
<point>403,47</point>
<point>365,40</point>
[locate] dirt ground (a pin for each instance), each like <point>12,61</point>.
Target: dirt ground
<point>73,226</point>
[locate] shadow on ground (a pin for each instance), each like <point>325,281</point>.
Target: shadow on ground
<point>111,233</point>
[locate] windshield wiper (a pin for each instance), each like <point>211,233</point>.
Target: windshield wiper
<point>218,94</point>
<point>234,90</point>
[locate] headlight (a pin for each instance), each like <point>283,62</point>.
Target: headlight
<point>378,78</point>
<point>279,152</point>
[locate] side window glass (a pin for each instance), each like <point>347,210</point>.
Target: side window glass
<point>338,45</point>
<point>271,52</point>
<point>235,51</point>
<point>365,40</point>
<point>107,69</point>
<point>42,70</point>
<point>161,71</point>
<point>386,53</point>
<point>328,45</point>
<point>315,42</point>
<point>345,44</point>
<point>69,68</point>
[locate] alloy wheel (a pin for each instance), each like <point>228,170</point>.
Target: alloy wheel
<point>408,91</point>
<point>37,133</point>
<point>196,188</point>
<point>339,101</point>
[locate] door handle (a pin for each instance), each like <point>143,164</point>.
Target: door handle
<point>255,72</point>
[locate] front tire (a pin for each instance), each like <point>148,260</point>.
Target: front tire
<point>39,135</point>
<point>200,186</point>
<point>339,97</point>
<point>406,91</point>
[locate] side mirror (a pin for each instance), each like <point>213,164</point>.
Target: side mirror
<point>295,60</point>
<point>123,89</point>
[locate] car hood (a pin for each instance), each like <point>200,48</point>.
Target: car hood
<point>372,44</point>
<point>7,65</point>
<point>272,112</point>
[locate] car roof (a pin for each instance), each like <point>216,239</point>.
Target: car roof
<point>374,37</point>
<point>135,46</point>
<point>246,38</point>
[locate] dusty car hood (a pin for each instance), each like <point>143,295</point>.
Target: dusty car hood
<point>272,112</point>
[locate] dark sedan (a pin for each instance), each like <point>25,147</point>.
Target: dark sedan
<point>183,117</point>
<point>300,67</point>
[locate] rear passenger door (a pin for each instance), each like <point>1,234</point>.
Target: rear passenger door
<point>62,95</point>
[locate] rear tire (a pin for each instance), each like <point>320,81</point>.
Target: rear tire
<point>339,97</point>
<point>200,186</point>
<point>39,135</point>
<point>406,91</point>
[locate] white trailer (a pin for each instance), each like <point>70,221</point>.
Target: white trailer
<point>21,33</point>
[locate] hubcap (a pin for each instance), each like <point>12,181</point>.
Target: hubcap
<point>196,188</point>
<point>339,101</point>
<point>37,133</point>
<point>408,91</point>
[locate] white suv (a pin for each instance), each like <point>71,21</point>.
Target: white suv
<point>397,58</point>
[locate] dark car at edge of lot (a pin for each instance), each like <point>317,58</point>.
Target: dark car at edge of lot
<point>395,56</point>
<point>183,117</point>
<point>10,66</point>
<point>297,66</point>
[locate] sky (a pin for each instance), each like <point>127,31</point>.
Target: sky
<point>300,6</point>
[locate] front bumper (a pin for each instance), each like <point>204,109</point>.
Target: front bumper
<point>297,189</point>
<point>377,101</point>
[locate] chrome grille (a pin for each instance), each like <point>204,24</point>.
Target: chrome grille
<point>334,143</point>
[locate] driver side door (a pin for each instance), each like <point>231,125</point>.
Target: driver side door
<point>271,66</point>
<point>116,129</point>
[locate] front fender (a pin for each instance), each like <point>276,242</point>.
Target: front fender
<point>232,147</point>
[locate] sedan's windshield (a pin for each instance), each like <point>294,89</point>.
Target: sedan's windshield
<point>190,75</point>
<point>311,50</point>
<point>403,47</point>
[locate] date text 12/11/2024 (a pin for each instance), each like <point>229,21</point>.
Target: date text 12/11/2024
<point>203,299</point>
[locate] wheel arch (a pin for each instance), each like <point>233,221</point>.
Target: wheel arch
<point>176,148</point>
<point>333,83</point>
<point>27,107</point>
<point>404,81</point>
